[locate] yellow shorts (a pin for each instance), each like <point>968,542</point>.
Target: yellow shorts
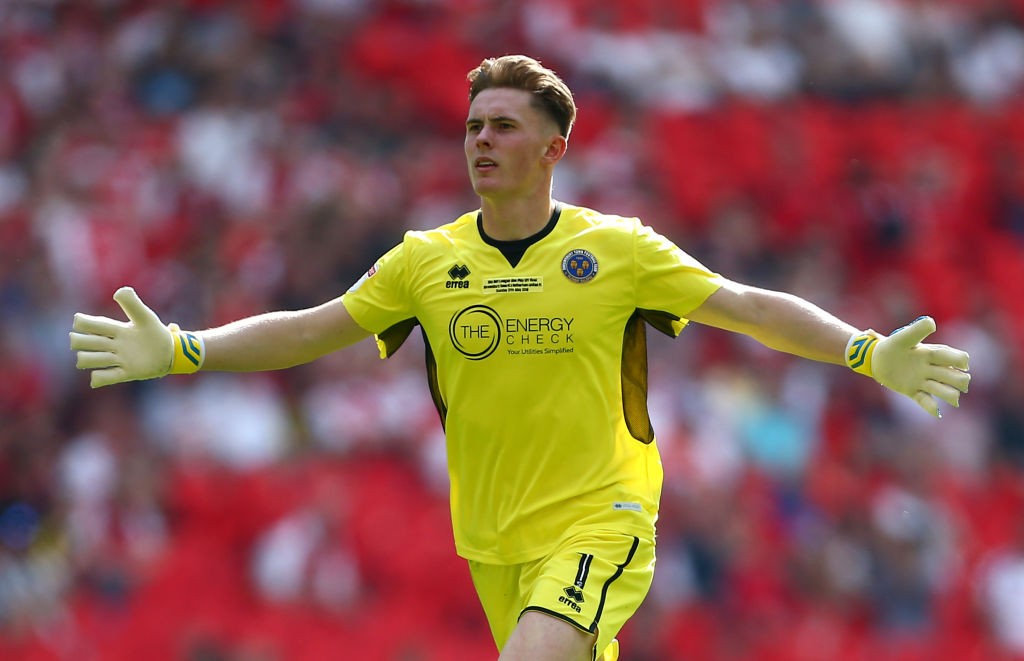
<point>595,581</point>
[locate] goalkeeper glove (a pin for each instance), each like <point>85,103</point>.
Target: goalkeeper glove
<point>902,363</point>
<point>141,348</point>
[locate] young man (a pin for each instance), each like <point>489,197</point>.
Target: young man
<point>533,313</point>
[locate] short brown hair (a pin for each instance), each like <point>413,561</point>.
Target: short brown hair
<point>551,95</point>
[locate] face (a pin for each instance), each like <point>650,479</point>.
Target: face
<point>511,147</point>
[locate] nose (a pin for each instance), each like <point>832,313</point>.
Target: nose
<point>483,138</point>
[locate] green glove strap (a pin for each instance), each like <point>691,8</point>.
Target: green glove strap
<point>189,351</point>
<point>860,350</point>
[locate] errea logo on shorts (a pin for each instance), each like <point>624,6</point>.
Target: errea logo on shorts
<point>573,598</point>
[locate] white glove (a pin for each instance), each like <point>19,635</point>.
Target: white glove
<point>902,363</point>
<point>141,348</point>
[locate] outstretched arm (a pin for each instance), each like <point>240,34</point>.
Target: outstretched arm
<point>276,340</point>
<point>777,320</point>
<point>144,348</point>
<point>901,362</point>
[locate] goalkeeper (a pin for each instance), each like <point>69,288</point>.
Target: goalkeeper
<point>534,314</point>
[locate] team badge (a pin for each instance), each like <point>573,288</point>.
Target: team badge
<point>579,265</point>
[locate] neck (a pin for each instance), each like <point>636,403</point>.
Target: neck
<point>515,219</point>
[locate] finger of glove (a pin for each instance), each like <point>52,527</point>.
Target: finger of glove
<point>913,333</point>
<point>87,323</point>
<point>90,360</point>
<point>89,342</point>
<point>107,377</point>
<point>950,376</point>
<point>134,308</point>
<point>927,402</point>
<point>940,354</point>
<point>946,393</point>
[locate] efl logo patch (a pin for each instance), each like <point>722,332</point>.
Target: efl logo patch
<point>579,265</point>
<point>366,276</point>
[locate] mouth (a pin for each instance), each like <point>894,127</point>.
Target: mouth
<point>484,164</point>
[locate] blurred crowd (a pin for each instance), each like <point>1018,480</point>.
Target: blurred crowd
<point>228,157</point>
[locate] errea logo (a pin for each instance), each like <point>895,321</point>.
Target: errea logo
<point>573,598</point>
<point>458,275</point>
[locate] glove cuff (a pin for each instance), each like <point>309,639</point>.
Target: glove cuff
<point>189,351</point>
<point>860,350</point>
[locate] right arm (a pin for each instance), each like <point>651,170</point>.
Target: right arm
<point>276,340</point>
<point>144,348</point>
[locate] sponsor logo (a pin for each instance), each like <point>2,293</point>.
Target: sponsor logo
<point>579,266</point>
<point>573,605</point>
<point>457,277</point>
<point>478,331</point>
<point>475,331</point>
<point>573,598</point>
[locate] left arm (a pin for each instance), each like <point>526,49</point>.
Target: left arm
<point>777,320</point>
<point>900,362</point>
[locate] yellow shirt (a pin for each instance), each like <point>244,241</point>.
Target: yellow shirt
<point>538,370</point>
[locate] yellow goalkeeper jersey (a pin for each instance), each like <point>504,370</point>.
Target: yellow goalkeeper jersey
<point>537,363</point>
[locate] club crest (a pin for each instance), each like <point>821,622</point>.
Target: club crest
<point>579,265</point>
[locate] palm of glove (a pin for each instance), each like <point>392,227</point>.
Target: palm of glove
<point>923,372</point>
<point>118,351</point>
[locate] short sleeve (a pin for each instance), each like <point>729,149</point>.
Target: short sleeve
<point>669,282</point>
<point>380,302</point>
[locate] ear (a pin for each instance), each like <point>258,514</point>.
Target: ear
<point>555,149</point>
